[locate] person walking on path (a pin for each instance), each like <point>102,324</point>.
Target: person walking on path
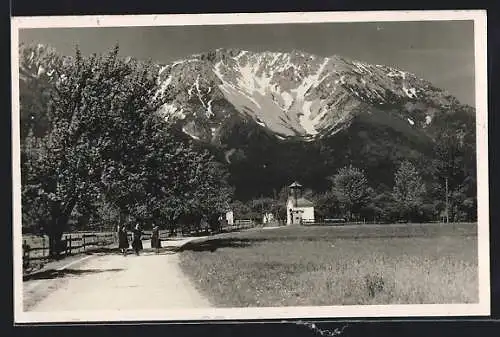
<point>155,239</point>
<point>123,240</point>
<point>136,239</point>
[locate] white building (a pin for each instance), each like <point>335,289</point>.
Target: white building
<point>299,209</point>
<point>230,218</point>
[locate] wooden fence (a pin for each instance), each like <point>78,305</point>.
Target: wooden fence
<point>238,225</point>
<point>37,247</point>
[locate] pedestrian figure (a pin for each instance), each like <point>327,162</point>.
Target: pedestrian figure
<point>136,239</point>
<point>155,239</point>
<point>123,243</point>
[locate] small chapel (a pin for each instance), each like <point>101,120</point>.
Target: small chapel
<point>299,209</point>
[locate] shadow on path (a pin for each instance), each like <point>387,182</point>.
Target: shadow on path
<point>149,251</point>
<point>54,273</point>
<point>212,245</point>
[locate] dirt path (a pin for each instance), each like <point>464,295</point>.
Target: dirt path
<point>115,282</point>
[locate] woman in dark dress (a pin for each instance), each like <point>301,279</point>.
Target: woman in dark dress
<point>123,240</point>
<point>136,239</point>
<point>155,239</point>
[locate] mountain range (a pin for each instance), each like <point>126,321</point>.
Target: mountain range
<point>274,117</point>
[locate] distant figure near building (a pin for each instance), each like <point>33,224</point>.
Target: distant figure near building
<point>155,239</point>
<point>299,209</point>
<point>230,218</point>
<point>136,239</point>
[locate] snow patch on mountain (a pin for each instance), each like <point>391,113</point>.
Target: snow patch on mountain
<point>41,70</point>
<point>240,55</point>
<point>209,112</point>
<point>341,80</point>
<point>163,68</point>
<point>192,135</point>
<point>171,110</point>
<point>410,92</point>
<point>228,155</point>
<point>288,99</point>
<point>312,81</point>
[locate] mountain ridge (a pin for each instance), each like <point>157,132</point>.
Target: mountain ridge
<point>294,104</point>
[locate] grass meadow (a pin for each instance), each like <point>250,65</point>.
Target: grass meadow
<point>341,265</point>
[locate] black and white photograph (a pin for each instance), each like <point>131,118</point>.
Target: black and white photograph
<point>250,166</point>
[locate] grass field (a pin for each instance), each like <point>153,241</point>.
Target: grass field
<point>371,264</point>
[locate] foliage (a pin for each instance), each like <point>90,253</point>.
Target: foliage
<point>408,190</point>
<point>212,192</point>
<point>455,163</point>
<point>326,205</point>
<point>350,186</point>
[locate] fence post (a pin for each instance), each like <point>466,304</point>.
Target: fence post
<point>70,244</point>
<point>83,241</point>
<point>66,241</point>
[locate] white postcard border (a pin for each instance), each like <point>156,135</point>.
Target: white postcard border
<point>430,310</point>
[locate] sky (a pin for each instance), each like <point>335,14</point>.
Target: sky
<point>441,52</point>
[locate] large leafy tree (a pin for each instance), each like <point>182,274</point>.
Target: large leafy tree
<point>100,113</point>
<point>408,190</point>
<point>213,193</point>
<point>350,186</point>
<point>198,190</point>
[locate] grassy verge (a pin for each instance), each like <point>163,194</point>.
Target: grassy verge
<point>337,266</point>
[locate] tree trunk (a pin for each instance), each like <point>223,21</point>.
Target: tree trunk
<point>55,235</point>
<point>60,216</point>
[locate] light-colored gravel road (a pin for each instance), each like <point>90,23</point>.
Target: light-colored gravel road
<point>115,282</point>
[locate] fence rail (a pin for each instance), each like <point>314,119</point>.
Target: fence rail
<point>36,248</point>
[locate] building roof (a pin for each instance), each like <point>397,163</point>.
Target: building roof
<point>303,202</point>
<point>295,185</point>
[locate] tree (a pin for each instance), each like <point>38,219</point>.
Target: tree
<point>455,165</point>
<point>350,186</point>
<point>408,190</point>
<point>213,193</point>
<point>326,205</point>
<point>97,141</point>
<point>240,209</point>
<point>262,205</point>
